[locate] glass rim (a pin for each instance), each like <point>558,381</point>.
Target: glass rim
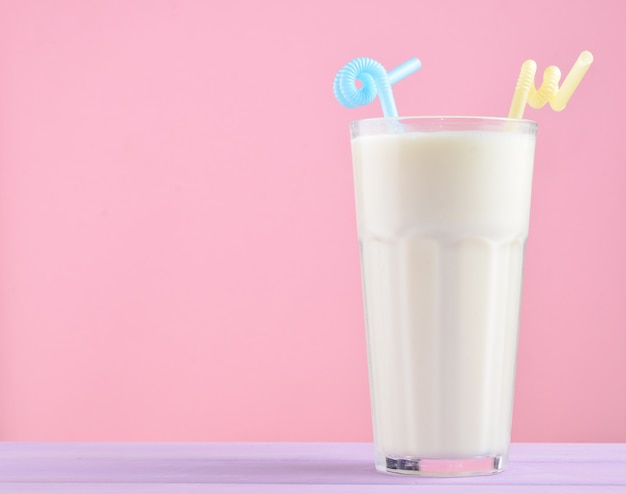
<point>401,125</point>
<point>466,118</point>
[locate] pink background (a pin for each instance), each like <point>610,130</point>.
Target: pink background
<point>178,254</point>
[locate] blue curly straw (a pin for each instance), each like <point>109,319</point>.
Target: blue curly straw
<point>375,80</point>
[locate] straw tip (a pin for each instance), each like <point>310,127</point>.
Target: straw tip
<point>530,64</point>
<point>416,62</point>
<point>586,57</point>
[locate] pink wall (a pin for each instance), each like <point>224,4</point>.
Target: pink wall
<point>178,255</point>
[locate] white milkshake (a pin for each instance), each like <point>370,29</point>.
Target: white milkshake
<point>442,222</point>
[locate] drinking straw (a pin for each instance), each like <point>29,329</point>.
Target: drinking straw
<point>375,80</point>
<point>572,81</point>
<point>549,91</point>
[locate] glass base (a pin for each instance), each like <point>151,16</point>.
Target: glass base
<point>441,467</point>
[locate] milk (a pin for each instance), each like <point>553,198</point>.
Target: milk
<point>442,222</point>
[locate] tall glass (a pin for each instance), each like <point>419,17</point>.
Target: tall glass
<point>442,210</point>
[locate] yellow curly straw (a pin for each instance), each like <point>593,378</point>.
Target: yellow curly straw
<point>549,91</point>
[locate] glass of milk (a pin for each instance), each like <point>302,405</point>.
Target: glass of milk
<point>442,213</point>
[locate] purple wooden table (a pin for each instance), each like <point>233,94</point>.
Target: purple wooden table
<point>294,468</point>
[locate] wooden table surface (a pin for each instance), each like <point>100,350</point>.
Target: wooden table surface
<point>294,468</point>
